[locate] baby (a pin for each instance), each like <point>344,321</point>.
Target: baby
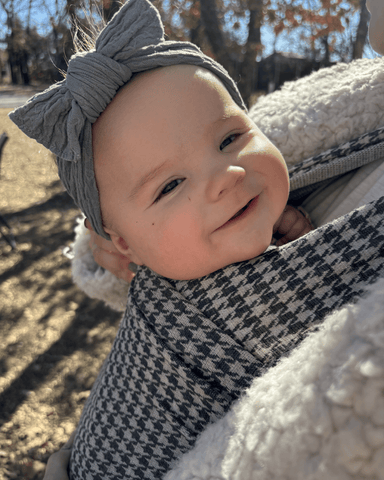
<point>187,184</point>
<point>168,166</point>
<point>185,192</point>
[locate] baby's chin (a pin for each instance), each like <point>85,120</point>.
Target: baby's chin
<point>200,271</point>
<point>194,274</point>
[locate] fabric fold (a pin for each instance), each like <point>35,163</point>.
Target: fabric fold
<point>200,343</point>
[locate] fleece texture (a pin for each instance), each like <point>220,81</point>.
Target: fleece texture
<point>91,278</point>
<point>324,109</point>
<point>317,415</point>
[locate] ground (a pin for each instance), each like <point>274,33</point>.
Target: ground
<point>53,338</point>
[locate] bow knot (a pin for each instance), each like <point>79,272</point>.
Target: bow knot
<point>93,80</point>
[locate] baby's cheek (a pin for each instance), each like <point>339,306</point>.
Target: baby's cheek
<point>182,230</point>
<point>279,187</point>
<point>181,240</point>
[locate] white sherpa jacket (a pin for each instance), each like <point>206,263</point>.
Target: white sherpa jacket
<point>319,414</point>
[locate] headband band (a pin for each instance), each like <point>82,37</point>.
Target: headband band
<point>61,117</point>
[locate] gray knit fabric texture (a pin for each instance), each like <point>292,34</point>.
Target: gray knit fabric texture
<point>186,350</point>
<point>61,117</point>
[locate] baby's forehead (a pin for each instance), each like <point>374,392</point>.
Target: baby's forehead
<point>191,93</point>
<point>169,84</point>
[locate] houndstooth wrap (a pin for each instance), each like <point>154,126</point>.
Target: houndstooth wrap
<point>61,118</point>
<point>186,350</point>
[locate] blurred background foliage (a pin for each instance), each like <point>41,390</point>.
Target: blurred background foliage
<point>321,32</point>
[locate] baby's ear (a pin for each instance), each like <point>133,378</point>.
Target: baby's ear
<point>122,246</point>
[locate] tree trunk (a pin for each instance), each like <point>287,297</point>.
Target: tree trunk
<point>10,39</point>
<point>195,34</point>
<point>249,65</point>
<point>362,31</point>
<point>12,65</point>
<point>23,65</point>
<point>12,59</point>
<point>214,34</point>
<point>327,58</point>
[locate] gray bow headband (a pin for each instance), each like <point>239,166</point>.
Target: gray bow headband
<point>61,117</point>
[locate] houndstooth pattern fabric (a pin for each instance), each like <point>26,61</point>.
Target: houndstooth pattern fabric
<point>185,350</point>
<point>340,155</point>
<point>310,174</point>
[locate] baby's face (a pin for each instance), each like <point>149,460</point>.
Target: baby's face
<point>188,184</point>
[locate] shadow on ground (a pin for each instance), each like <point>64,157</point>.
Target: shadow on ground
<point>53,337</point>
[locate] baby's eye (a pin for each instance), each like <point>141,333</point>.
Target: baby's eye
<point>169,187</point>
<point>229,140</point>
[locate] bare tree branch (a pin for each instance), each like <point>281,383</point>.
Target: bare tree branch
<point>362,31</point>
<point>214,34</point>
<point>249,66</point>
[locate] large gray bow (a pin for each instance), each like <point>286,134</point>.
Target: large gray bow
<point>61,117</point>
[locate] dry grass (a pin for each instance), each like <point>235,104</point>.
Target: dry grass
<point>53,339</point>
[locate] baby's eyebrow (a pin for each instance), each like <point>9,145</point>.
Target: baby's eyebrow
<point>148,177</point>
<point>224,118</point>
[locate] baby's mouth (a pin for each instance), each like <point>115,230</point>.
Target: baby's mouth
<point>240,211</point>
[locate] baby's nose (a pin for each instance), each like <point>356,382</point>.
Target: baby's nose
<point>225,181</point>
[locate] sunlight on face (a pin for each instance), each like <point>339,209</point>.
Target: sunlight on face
<point>175,160</point>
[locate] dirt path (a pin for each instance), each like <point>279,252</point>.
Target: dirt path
<point>53,339</point>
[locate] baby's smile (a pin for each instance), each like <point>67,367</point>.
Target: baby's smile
<point>240,214</point>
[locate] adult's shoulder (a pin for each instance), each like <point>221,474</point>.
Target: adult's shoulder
<point>325,109</point>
